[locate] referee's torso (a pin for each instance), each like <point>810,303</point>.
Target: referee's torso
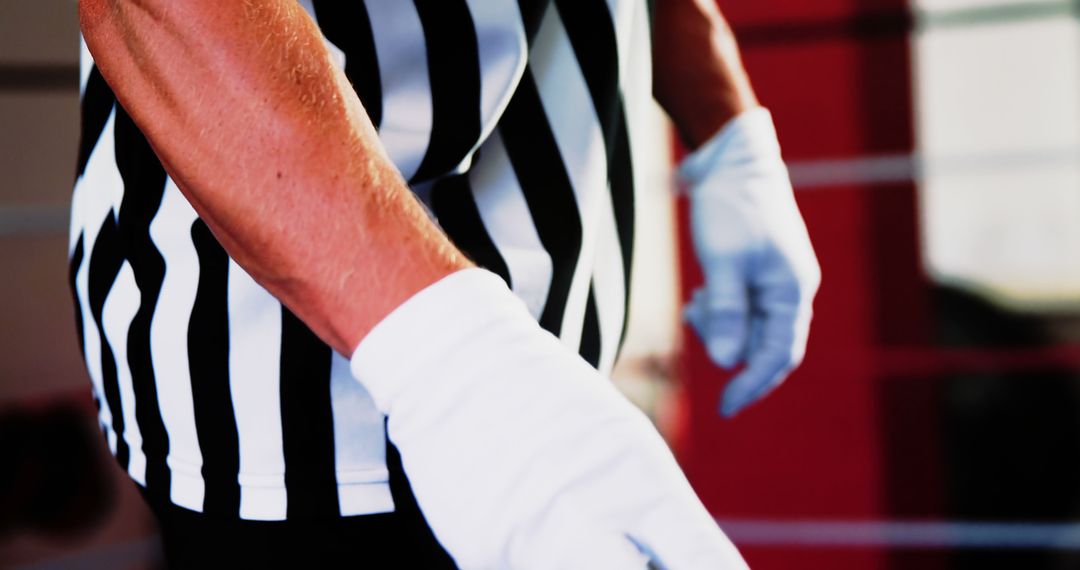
<point>513,120</point>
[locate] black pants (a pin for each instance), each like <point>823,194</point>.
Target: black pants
<point>400,539</point>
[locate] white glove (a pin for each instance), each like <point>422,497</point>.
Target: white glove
<point>760,270</point>
<point>520,454</point>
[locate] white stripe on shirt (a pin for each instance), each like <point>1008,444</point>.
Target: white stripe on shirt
<point>407,114</point>
<point>254,382</point>
<point>117,314</point>
<point>506,216</point>
<point>570,112</point>
<point>503,53</point>
<point>359,445</point>
<point>92,203</point>
<point>171,233</point>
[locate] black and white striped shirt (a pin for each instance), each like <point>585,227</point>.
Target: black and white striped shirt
<point>514,120</point>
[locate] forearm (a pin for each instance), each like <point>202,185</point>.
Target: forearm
<point>760,272</point>
<point>272,147</point>
<point>698,76</point>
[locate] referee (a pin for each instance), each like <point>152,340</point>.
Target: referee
<point>349,273</point>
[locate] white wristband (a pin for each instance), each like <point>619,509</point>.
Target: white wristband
<point>747,138</point>
<point>433,324</point>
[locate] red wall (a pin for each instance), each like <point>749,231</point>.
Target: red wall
<point>837,76</point>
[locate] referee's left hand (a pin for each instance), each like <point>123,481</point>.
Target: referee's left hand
<point>760,270</point>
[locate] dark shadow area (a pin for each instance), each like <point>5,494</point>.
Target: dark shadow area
<point>994,445</point>
<point>54,481</point>
<point>1011,439</point>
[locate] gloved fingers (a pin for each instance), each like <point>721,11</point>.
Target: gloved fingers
<point>773,352</point>
<point>722,325</point>
<point>801,331</point>
<point>719,314</point>
<point>764,371</point>
<point>782,308</point>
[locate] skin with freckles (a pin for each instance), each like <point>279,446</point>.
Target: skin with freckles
<point>272,147</point>
<point>270,144</point>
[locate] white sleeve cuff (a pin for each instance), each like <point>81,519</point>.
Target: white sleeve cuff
<point>748,137</point>
<point>519,453</point>
<point>414,340</point>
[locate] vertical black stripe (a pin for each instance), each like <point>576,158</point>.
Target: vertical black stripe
<point>459,216</point>
<point>591,30</point>
<point>346,25</point>
<point>97,105</point>
<point>106,260</point>
<point>208,356</point>
<point>307,421</point>
<point>621,176</point>
<point>532,13</point>
<point>74,264</point>
<point>454,70</point>
<point>547,189</point>
<point>590,333</point>
<point>144,185</point>
<point>416,544</point>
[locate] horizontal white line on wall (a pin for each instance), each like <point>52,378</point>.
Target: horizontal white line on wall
<point>744,532</point>
<point>904,534</point>
<point>892,168</point>
<point>35,219</point>
<point>45,219</point>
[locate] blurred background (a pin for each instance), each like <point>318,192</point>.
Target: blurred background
<point>935,150</point>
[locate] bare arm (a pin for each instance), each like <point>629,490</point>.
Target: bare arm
<point>698,76</point>
<point>272,147</point>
